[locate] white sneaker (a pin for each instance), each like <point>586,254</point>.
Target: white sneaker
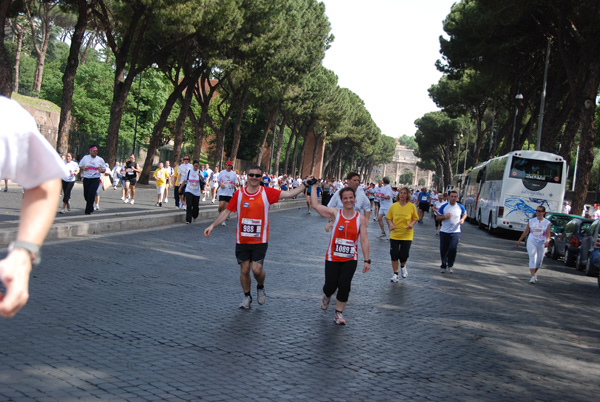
<point>532,280</point>
<point>132,201</point>
<point>325,302</point>
<point>123,198</point>
<point>246,302</point>
<point>62,211</point>
<point>213,201</point>
<point>261,296</point>
<point>451,270</point>
<point>394,278</point>
<point>204,199</point>
<point>382,236</point>
<point>223,224</point>
<point>404,272</point>
<point>96,207</point>
<point>339,318</point>
<point>126,200</point>
<point>166,200</point>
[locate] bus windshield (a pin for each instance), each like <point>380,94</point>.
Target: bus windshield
<point>533,169</point>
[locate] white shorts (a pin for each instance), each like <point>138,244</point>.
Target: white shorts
<point>383,211</point>
<point>160,189</point>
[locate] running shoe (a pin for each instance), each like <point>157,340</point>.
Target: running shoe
<point>62,211</point>
<point>382,236</point>
<point>123,198</point>
<point>213,201</point>
<point>339,318</point>
<point>156,205</point>
<point>443,270</point>
<point>223,224</point>
<point>203,199</point>
<point>126,200</point>
<point>261,296</point>
<point>69,206</point>
<point>246,302</point>
<point>132,201</point>
<point>325,302</point>
<point>532,280</point>
<point>160,204</point>
<point>166,200</point>
<point>5,189</point>
<point>451,270</point>
<point>394,278</point>
<point>404,272</point>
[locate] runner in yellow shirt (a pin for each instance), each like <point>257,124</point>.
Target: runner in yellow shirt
<point>161,176</point>
<point>401,218</point>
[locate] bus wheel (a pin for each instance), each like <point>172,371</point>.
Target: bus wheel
<point>490,227</point>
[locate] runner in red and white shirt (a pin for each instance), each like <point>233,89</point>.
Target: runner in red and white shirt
<point>341,259</point>
<point>252,233</point>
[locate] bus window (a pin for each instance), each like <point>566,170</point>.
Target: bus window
<point>536,170</point>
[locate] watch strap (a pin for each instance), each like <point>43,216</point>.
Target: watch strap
<point>32,248</point>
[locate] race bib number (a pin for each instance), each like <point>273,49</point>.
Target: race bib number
<point>251,227</point>
<point>424,199</point>
<point>344,248</point>
<point>537,231</point>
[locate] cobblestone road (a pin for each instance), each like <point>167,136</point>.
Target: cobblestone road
<point>153,315</point>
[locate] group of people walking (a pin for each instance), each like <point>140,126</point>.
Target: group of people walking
<point>348,212</point>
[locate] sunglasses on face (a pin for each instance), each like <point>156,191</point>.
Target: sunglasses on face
<point>537,210</point>
<point>254,175</point>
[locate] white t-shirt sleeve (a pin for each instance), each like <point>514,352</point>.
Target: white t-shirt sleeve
<point>26,157</point>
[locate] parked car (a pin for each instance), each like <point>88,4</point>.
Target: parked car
<point>588,259</point>
<point>566,242</point>
<point>559,220</point>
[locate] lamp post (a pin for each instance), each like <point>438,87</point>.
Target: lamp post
<point>466,153</point>
<point>518,98</point>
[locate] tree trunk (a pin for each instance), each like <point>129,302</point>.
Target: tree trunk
<point>158,129</point>
<point>19,32</point>
<point>43,14</point>
<point>90,42</point>
<point>588,136</point>
<point>287,152</point>
<point>569,135</point>
<point>184,111</point>
<point>5,69</point>
<point>332,155</point>
<point>295,155</point>
<point>125,55</point>
<point>279,144</point>
<point>64,125</point>
<point>270,119</point>
<point>237,131</point>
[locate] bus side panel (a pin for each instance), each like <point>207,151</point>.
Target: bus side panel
<point>490,201</point>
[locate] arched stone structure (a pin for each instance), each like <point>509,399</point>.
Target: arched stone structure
<point>404,159</point>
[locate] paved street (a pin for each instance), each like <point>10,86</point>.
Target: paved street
<point>153,315</point>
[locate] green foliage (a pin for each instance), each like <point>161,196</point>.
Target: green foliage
<point>406,177</point>
<point>408,141</point>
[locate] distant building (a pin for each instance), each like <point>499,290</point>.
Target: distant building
<point>404,160</point>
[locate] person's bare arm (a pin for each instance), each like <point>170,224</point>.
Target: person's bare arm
<point>37,214</point>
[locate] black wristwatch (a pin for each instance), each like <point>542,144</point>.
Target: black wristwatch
<point>368,261</point>
<point>31,248</point>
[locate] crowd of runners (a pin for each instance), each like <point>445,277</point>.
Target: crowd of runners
<point>348,204</point>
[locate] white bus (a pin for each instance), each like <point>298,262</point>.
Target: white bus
<point>504,192</point>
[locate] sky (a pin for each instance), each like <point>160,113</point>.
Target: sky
<point>385,52</point>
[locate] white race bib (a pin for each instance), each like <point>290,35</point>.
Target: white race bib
<point>251,227</point>
<point>344,248</point>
